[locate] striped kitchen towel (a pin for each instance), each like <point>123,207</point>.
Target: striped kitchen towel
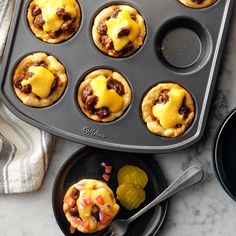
<point>25,151</point>
<point>6,8</point>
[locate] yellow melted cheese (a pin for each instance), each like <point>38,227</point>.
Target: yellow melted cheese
<point>49,12</point>
<point>114,25</point>
<point>41,81</point>
<point>168,114</point>
<point>91,193</point>
<point>106,97</point>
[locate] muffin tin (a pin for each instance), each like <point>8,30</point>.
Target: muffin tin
<point>192,65</point>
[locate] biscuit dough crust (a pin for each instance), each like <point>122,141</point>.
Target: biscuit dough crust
<point>152,123</point>
<point>191,4</point>
<point>107,73</point>
<point>41,34</point>
<point>104,15</point>
<point>97,185</point>
<point>30,99</point>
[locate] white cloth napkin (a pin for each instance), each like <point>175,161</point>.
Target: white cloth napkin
<point>25,151</point>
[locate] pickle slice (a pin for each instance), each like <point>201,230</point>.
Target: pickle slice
<point>132,175</point>
<point>130,196</point>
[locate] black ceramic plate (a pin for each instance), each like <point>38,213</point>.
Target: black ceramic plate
<point>224,156</point>
<point>86,163</point>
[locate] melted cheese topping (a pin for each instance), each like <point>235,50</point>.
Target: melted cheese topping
<point>168,114</point>
<point>49,12</point>
<point>88,192</point>
<point>41,81</point>
<point>106,97</point>
<point>114,25</point>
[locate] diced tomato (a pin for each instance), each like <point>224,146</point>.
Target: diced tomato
<point>108,169</point>
<point>100,200</point>
<point>86,225</point>
<point>104,218</point>
<point>106,177</point>
<point>103,164</point>
<point>72,229</point>
<point>70,201</point>
<point>77,220</point>
<point>86,202</point>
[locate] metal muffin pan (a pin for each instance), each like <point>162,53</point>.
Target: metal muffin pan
<point>207,28</point>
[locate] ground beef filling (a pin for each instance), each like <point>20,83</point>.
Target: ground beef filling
<point>116,85</point>
<point>107,42</point>
<point>95,213</point>
<point>25,74</point>
<point>68,26</point>
<point>74,211</point>
<point>90,100</point>
<point>184,111</point>
<point>123,32</point>
<point>115,13</point>
<point>163,97</point>
<point>74,195</point>
<point>198,1</point>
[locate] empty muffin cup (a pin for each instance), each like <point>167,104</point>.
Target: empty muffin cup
<point>183,44</point>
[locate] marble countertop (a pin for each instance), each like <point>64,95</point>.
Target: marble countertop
<point>202,210</point>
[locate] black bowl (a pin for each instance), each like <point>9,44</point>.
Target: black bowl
<point>224,154</point>
<point>86,163</point>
